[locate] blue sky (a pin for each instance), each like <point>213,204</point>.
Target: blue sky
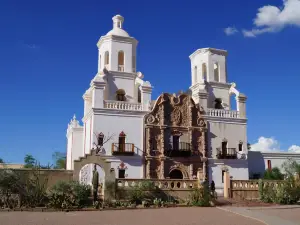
<point>48,56</point>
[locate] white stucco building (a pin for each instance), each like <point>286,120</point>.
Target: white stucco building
<point>118,98</point>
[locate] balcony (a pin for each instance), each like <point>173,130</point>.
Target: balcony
<point>126,149</point>
<point>121,68</point>
<point>226,153</point>
<point>122,105</point>
<point>223,113</point>
<point>179,149</point>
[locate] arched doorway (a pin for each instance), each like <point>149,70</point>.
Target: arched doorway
<point>176,174</point>
<point>86,177</point>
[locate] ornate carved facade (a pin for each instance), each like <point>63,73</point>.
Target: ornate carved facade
<point>175,139</point>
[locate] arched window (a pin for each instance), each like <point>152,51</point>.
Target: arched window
<point>216,72</point>
<point>100,62</point>
<point>195,75</point>
<point>133,64</point>
<point>122,140</point>
<point>139,95</point>
<point>218,103</point>
<point>204,71</point>
<point>121,61</point>
<point>106,62</point>
<point>120,95</point>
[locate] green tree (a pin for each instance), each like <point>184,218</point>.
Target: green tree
<point>1,160</point>
<point>59,159</point>
<point>248,146</point>
<point>291,167</point>
<point>273,174</point>
<point>29,161</point>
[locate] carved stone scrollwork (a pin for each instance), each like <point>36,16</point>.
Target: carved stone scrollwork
<point>201,122</point>
<point>151,119</point>
<point>175,100</point>
<point>176,117</point>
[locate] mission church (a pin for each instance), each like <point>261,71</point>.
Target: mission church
<point>196,135</point>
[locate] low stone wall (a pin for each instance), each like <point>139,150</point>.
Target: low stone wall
<point>248,189</point>
<point>165,188</point>
<point>52,175</point>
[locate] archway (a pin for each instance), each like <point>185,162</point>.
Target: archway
<point>176,174</point>
<point>86,177</point>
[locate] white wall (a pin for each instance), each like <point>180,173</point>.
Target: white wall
<point>233,132</point>
<point>237,168</point>
<point>114,124</point>
<point>258,161</point>
<point>88,134</point>
<point>134,167</point>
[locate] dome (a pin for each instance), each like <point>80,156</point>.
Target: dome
<point>118,32</point>
<point>117,27</point>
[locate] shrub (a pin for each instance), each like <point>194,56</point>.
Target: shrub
<point>70,194</point>
<point>286,192</point>
<point>200,196</point>
<point>24,189</point>
<point>273,174</point>
<point>145,191</point>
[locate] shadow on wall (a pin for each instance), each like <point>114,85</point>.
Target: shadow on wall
<point>256,164</point>
<point>210,136</point>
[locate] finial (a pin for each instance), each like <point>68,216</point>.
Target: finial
<point>74,117</point>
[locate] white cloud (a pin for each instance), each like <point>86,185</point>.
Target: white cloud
<point>294,148</point>
<point>270,19</point>
<point>265,144</point>
<point>230,31</point>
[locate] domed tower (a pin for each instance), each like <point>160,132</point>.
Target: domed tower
<point>117,50</point>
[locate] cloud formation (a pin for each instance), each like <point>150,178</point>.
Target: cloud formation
<point>272,19</point>
<point>265,144</point>
<point>230,31</point>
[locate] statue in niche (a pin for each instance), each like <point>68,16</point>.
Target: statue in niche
<point>95,183</point>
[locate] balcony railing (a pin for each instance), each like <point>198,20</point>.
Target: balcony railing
<point>126,149</point>
<point>123,105</point>
<point>223,113</point>
<point>226,153</point>
<point>179,149</point>
<point>121,68</point>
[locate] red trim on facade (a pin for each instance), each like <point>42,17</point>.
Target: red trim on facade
<point>122,134</point>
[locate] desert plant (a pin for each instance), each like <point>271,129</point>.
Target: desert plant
<point>200,196</point>
<point>68,194</point>
<point>286,192</point>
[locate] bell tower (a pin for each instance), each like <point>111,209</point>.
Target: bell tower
<point>117,50</point>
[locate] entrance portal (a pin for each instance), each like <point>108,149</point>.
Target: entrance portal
<point>176,174</point>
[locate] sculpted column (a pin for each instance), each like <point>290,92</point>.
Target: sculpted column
<point>204,158</point>
<point>148,169</point>
<point>162,168</point>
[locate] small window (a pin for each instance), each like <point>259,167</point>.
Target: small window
<point>216,72</point>
<point>269,165</point>
<point>218,103</point>
<point>204,71</point>
<point>100,139</point>
<point>195,75</point>
<point>176,142</point>
<point>122,137</point>
<point>240,146</point>
<point>121,61</point>
<point>139,95</point>
<point>223,172</point>
<point>120,95</point>
<point>121,173</point>
<point>224,148</point>
<point>106,60</point>
<point>133,64</point>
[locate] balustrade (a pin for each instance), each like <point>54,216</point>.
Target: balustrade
<point>222,113</point>
<point>123,105</point>
<point>166,184</point>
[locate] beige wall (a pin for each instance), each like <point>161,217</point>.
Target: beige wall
<point>11,165</point>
